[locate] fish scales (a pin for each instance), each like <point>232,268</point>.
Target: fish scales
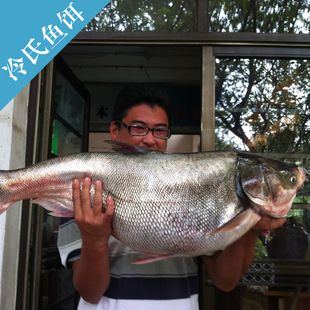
<point>165,221</point>
<point>165,204</point>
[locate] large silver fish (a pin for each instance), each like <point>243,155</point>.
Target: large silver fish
<point>165,204</point>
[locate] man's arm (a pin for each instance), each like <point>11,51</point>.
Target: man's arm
<point>226,268</point>
<point>91,273</point>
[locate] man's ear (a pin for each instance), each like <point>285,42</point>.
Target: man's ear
<point>113,130</point>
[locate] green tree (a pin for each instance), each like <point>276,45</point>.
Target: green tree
<point>265,103</point>
<point>146,15</point>
<point>261,16</point>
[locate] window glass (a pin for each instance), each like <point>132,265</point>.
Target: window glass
<point>69,103</point>
<point>263,105</point>
<point>64,140</point>
<point>261,16</point>
<point>146,15</point>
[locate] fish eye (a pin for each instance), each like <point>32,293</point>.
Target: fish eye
<point>293,179</point>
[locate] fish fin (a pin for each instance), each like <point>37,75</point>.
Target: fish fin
<point>244,216</point>
<point>151,259</point>
<point>4,206</point>
<point>56,207</point>
<point>127,149</point>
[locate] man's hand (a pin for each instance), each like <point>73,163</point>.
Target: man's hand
<point>267,223</point>
<point>95,226</point>
<point>91,273</point>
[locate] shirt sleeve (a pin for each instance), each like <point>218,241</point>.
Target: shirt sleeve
<point>69,241</point>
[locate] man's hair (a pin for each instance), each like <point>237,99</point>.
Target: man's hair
<point>132,96</point>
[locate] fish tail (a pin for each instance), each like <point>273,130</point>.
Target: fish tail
<point>16,185</point>
<point>5,195</point>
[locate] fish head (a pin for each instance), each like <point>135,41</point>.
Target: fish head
<point>269,185</point>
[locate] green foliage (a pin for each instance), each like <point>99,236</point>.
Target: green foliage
<point>146,15</point>
<point>260,250</point>
<point>265,103</point>
<point>261,16</point>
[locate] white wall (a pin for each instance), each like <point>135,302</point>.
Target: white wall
<point>13,123</point>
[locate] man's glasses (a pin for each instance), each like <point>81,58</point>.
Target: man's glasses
<point>140,130</point>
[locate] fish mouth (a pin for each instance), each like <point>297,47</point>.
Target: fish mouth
<point>283,210</point>
<point>302,176</point>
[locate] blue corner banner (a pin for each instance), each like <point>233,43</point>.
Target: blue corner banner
<point>32,33</point>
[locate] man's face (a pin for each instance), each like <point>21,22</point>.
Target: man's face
<point>142,115</point>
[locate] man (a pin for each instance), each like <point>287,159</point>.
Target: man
<point>102,272</point>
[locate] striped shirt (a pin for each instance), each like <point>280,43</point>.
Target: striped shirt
<point>161,285</point>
